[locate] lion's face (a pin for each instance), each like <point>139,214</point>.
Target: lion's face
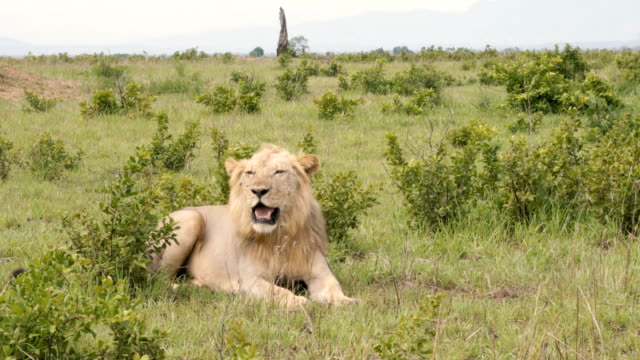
<point>271,189</point>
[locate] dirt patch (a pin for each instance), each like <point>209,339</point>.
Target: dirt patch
<point>12,82</point>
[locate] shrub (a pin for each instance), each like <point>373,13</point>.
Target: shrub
<point>104,69</point>
<point>122,240</point>
<point>413,336</point>
<point>191,54</point>
<point>176,191</point>
<point>628,63</point>
<point>343,83</point>
<point>53,312</point>
<point>284,59</point>
<point>344,200</point>
<point>103,102</point>
<point>333,69</point>
<point>131,100</point>
<point>417,104</point>
<point>525,123</point>
<point>330,105</point>
<point>372,80</point>
<point>610,175</point>
<point>49,160</point>
<point>225,99</point>
<point>36,103</point>
<point>521,188</point>
<point>593,96</point>
<point>554,82</point>
<point>221,100</point>
<point>310,69</point>
<point>6,157</point>
<point>250,91</point>
<point>441,184</point>
<point>175,154</point>
<point>415,78</point>
<point>290,85</point>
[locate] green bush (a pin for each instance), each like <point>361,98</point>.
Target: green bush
<point>413,336</point>
<point>104,69</point>
<point>103,102</point>
<point>136,102</point>
<point>49,160</point>
<point>36,103</point>
<point>553,81</point>
<point>221,100</point>
<point>171,154</point>
<point>333,69</point>
<point>344,200</point>
<point>131,100</point>
<point>628,63</point>
<point>440,185</point>
<point>330,105</point>
<point>226,99</point>
<point>191,54</point>
<point>418,104</point>
<point>121,241</point>
<point>290,85</point>
<point>525,123</point>
<point>415,78</point>
<point>372,80</point>
<point>54,312</point>
<point>310,69</point>
<point>6,157</point>
<point>610,175</point>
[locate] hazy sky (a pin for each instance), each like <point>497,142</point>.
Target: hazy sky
<point>114,21</point>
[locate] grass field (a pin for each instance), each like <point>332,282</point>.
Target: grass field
<point>545,289</point>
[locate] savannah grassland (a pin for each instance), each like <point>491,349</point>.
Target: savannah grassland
<point>549,288</point>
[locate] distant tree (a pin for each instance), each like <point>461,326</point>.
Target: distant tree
<point>257,52</point>
<point>299,44</point>
<point>400,49</point>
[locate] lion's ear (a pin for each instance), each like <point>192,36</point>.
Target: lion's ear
<point>230,165</point>
<point>310,164</point>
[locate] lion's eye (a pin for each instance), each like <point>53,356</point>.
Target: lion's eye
<point>250,172</point>
<point>278,172</point>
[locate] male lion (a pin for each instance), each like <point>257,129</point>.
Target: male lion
<point>272,228</point>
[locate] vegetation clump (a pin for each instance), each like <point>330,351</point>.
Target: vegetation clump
<point>330,105</point>
<point>7,157</point>
<point>291,84</point>
<point>131,100</point>
<point>53,311</point>
<point>418,104</point>
<point>49,160</point>
<point>37,103</point>
<point>552,82</point>
<point>173,155</point>
<point>225,99</point>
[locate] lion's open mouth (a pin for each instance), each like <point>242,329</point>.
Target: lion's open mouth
<point>265,215</point>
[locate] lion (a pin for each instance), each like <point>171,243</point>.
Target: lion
<point>271,229</point>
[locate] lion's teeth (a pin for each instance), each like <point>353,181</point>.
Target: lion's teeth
<point>264,213</point>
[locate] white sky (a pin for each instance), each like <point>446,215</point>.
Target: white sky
<point>113,21</point>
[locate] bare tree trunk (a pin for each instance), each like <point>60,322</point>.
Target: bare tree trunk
<point>283,42</point>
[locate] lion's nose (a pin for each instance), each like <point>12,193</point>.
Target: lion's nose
<point>259,192</point>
